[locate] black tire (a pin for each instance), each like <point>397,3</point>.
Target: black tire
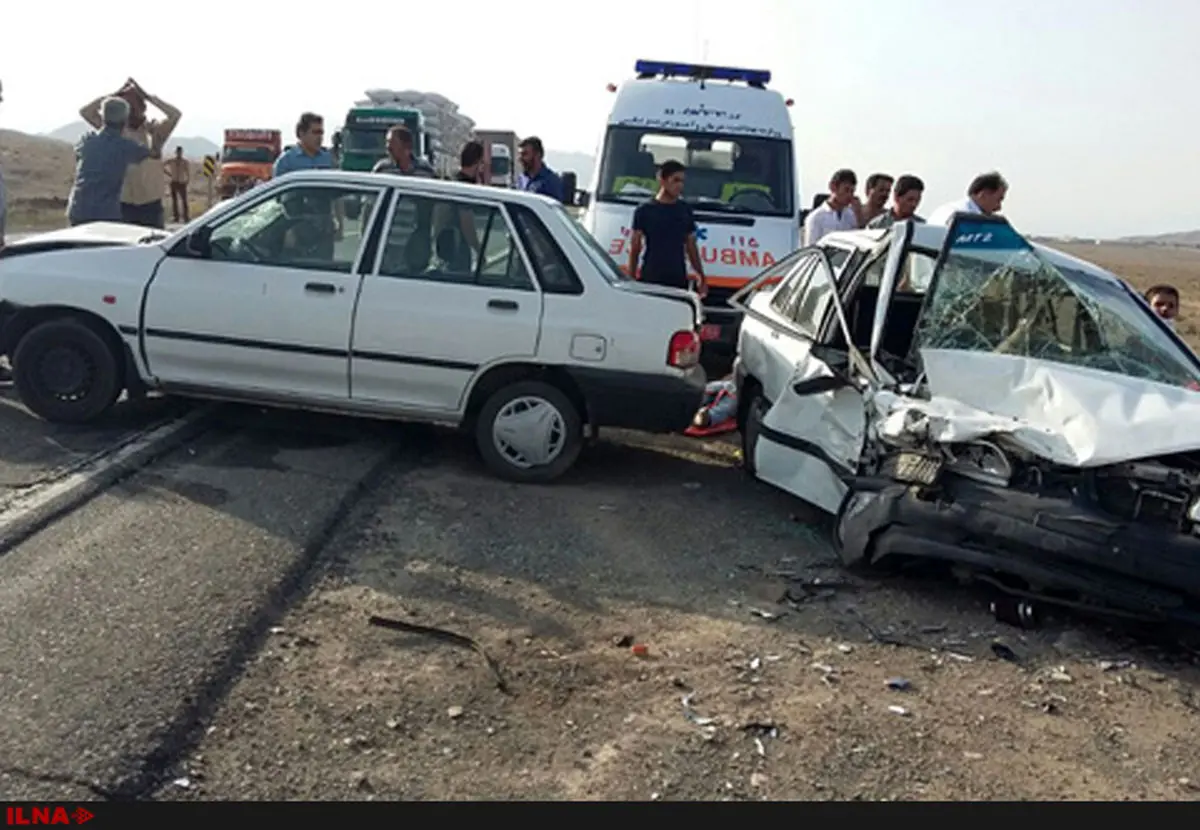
<point>572,433</point>
<point>65,372</point>
<point>756,407</point>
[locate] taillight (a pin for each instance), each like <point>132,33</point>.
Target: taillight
<point>683,352</point>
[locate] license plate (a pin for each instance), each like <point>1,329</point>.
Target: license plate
<point>710,331</point>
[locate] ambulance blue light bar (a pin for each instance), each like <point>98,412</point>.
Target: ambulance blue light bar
<point>754,77</point>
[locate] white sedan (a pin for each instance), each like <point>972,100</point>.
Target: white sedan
<point>363,294</point>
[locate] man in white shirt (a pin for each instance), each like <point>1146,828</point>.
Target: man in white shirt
<point>985,196</point>
<point>837,212</point>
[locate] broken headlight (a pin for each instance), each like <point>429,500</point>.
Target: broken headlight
<point>912,467</point>
<point>981,461</point>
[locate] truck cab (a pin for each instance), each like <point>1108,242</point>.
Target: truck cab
<point>735,137</point>
<point>362,140</point>
<point>247,159</point>
<point>500,166</point>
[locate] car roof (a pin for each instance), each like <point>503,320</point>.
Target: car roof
<point>932,237</point>
<point>420,183</point>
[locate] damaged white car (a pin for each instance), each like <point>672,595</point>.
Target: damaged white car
<point>965,395</point>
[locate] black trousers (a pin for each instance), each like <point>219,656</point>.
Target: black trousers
<point>149,215</point>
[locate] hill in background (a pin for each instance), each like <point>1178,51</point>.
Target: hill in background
<point>1183,239</point>
<point>194,147</point>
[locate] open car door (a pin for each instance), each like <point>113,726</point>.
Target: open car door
<point>810,437</point>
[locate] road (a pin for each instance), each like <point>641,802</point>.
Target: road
<point>124,619</point>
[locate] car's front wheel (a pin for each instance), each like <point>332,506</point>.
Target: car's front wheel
<point>65,372</point>
<point>529,432</point>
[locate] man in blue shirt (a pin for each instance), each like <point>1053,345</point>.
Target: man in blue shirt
<point>307,153</point>
<point>538,178</point>
<point>101,161</point>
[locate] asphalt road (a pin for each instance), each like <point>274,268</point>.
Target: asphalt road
<point>124,619</point>
<point>32,449</point>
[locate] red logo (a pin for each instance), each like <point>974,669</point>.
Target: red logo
<point>46,815</point>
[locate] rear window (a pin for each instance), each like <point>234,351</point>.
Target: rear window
<point>554,271</point>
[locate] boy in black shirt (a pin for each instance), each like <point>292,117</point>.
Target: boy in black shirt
<point>666,228</point>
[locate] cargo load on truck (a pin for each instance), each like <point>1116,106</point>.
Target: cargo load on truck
<point>247,159</point>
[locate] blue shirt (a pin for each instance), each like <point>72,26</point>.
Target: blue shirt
<point>101,160</point>
<point>545,182</point>
<point>294,158</point>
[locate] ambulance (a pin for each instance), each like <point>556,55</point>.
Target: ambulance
<point>735,137</point>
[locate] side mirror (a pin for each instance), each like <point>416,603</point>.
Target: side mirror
<point>337,140</point>
<point>569,180</point>
<point>198,241</point>
<point>583,198</point>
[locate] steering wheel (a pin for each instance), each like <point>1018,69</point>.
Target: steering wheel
<point>751,195</point>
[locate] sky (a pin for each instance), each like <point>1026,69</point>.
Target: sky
<point>1086,106</point>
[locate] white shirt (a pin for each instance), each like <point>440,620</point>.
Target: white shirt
<point>943,214</point>
<point>825,220</point>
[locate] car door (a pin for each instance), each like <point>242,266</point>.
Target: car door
<point>811,436</point>
<point>262,300</point>
<point>450,294</point>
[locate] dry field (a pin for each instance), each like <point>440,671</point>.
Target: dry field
<point>38,173</point>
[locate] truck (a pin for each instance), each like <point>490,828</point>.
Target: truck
<point>247,159</point>
<point>499,156</point>
<point>362,140</point>
<point>735,137</point>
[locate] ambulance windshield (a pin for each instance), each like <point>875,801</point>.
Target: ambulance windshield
<point>735,174</point>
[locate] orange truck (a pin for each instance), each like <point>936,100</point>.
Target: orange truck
<point>247,159</point>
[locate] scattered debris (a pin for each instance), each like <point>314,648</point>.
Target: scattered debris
<point>1015,612</point>
<point>844,648</point>
<point>973,756</point>
<point>961,658</point>
<point>758,746</point>
<point>1004,652</point>
<point>624,641</point>
<point>755,663</point>
<point>899,710</point>
<point>757,779</point>
<point>455,712</point>
<point>183,783</point>
<point>691,715</point>
<point>1060,675</point>
<point>767,615</point>
<point>765,729</point>
<point>640,650</point>
<point>899,684</point>
<point>446,637</point>
<point>1116,665</point>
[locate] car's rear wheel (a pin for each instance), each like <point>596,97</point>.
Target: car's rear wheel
<point>529,432</point>
<point>755,411</point>
<point>65,372</point>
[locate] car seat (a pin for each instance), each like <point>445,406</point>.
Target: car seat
<point>643,173</point>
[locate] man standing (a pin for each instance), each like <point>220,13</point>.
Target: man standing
<point>538,178</point>
<point>666,228</point>
<point>878,187</point>
<point>307,153</point>
<point>470,163</point>
<point>142,192</point>
<point>985,196</point>
<point>837,212</point>
<point>906,198</point>
<point>179,172</point>
<point>400,159</point>
<point>101,161</point>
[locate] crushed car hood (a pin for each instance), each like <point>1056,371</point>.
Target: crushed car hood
<point>115,233</point>
<point>1069,415</point>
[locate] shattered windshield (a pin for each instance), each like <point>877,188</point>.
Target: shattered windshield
<point>994,292</point>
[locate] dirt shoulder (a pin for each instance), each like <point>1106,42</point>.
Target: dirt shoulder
<point>664,543</point>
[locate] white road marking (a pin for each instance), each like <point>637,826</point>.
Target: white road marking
<point>22,506</point>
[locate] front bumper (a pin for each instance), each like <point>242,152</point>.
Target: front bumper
<point>646,402</point>
<point>1055,544</point>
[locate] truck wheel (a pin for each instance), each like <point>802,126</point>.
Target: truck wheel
<point>529,432</point>
<point>65,372</point>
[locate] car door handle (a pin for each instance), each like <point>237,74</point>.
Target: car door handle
<point>321,287</point>
<point>503,305</point>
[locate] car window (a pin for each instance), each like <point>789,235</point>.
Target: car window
<point>810,304</point>
<point>789,290</point>
<point>838,257</point>
<point>445,240</point>
<point>297,228</point>
<point>554,270</point>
